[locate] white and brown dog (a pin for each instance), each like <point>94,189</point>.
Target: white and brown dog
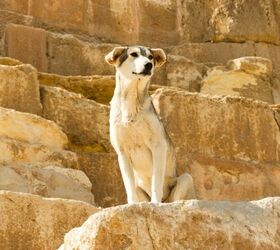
<point>145,152</point>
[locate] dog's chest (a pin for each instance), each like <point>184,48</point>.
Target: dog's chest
<point>133,134</point>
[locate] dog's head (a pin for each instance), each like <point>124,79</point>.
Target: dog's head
<point>136,61</point>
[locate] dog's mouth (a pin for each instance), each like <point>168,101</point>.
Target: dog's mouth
<point>143,73</point>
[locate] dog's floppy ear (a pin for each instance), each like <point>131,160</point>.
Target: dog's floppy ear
<point>113,56</point>
<point>159,57</point>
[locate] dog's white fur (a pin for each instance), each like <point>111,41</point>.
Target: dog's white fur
<point>145,153</point>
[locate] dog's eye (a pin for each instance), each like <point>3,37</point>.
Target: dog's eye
<point>134,54</point>
<point>150,57</point>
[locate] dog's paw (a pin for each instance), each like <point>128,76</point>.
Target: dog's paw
<point>130,202</point>
<point>156,202</point>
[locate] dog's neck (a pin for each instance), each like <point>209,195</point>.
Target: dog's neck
<point>132,95</point>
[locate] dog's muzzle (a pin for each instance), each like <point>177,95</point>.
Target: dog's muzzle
<point>147,70</point>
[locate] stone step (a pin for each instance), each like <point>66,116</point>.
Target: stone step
<point>233,128</point>
<point>57,53</point>
<point>21,152</point>
<point>31,129</point>
<point>19,88</point>
<point>84,121</point>
<point>9,61</point>
<point>190,224</point>
<point>246,76</point>
<point>223,52</point>
<point>98,88</point>
<point>48,181</point>
<point>35,223</point>
<point>103,171</point>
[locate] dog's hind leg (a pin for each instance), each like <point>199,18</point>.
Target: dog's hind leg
<point>159,166</point>
<point>183,190</point>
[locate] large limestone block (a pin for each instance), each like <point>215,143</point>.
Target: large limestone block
<point>31,128</point>
<point>222,52</point>
<point>20,6</point>
<point>63,14</point>
<point>19,88</point>
<point>181,225</point>
<point>32,222</point>
<point>88,57</point>
<point>84,121</point>
<point>247,20</point>
<point>219,53</point>
<point>246,76</point>
<point>7,17</point>
<point>184,73</point>
<point>20,152</point>
<point>218,179</point>
<point>97,88</point>
<point>222,127</point>
<point>27,44</point>
<point>252,64</point>
<point>271,52</point>
<point>119,24</point>
<point>54,52</point>
<point>49,181</point>
<point>146,22</point>
<point>193,20</point>
<point>9,61</point>
<point>103,171</point>
<point>156,22</point>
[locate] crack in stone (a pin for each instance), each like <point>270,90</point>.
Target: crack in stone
<point>149,233</point>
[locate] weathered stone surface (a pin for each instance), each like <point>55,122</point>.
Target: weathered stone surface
<point>184,73</point>
<point>64,14</point>
<point>9,61</point>
<point>15,5</point>
<point>32,222</point>
<point>275,81</point>
<point>157,23</point>
<point>230,128</point>
<point>217,179</point>
<point>97,88</point>
<point>54,52</point>
<point>252,64</point>
<point>119,25</point>
<point>7,17</point>
<point>20,152</point>
<point>246,76</point>
<point>222,52</point>
<point>103,171</point>
<point>31,128</point>
<point>248,20</point>
<point>193,20</point>
<point>84,121</point>
<point>49,181</point>
<point>71,56</point>
<point>181,225</point>
<point>271,52</point>
<point>19,88</point>
<point>146,22</point>
<point>28,45</point>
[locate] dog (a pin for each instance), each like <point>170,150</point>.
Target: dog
<point>145,152</point>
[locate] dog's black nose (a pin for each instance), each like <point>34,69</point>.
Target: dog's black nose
<point>148,66</point>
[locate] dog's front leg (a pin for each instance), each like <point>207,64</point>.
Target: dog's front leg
<point>159,165</point>
<point>128,178</point>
